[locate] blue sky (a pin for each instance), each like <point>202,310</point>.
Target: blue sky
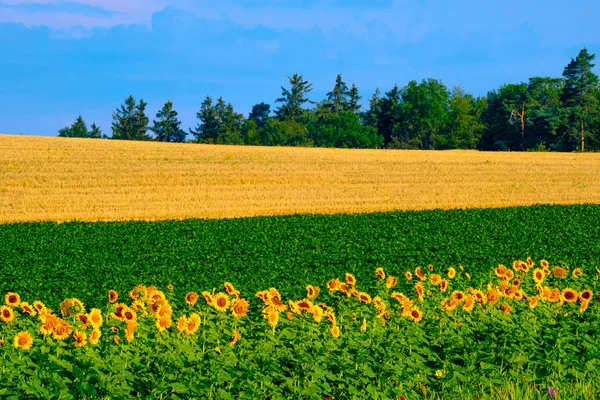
<point>59,59</point>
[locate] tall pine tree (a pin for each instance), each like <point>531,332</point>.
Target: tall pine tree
<point>168,127</point>
<point>130,121</point>
<point>293,99</point>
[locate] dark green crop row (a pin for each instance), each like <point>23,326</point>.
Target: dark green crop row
<point>53,261</point>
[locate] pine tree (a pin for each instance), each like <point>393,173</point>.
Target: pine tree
<point>207,128</point>
<point>130,121</point>
<point>168,127</point>
<point>260,113</point>
<point>337,98</point>
<point>580,94</point>
<point>353,99</point>
<point>95,131</point>
<point>77,129</point>
<point>293,99</point>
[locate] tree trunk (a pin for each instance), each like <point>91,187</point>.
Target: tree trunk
<point>582,136</point>
<point>523,127</point>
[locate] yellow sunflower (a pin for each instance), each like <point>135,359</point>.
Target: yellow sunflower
<point>80,338</point>
<point>492,295</point>
<point>335,331</point>
<point>312,292</point>
<point>12,299</point>
<point>500,270</point>
<point>193,323</point>
<point>380,273</point>
<point>350,279</point>
<point>506,308</point>
<point>27,309</point>
<point>538,276</point>
<point>577,273</point>
<point>544,264</point>
<point>130,330</point>
<point>509,274</point>
<point>191,298</point>
<point>586,295</point>
<point>420,290</point>
<point>569,295</point>
<point>363,327</point>
<point>130,315</point>
<point>112,296</point>
<point>317,313</point>
<point>235,338</point>
<point>94,338</point>
<point>451,273</point>
<point>436,279</point>
<point>61,330</point>
<point>559,272</point>
<point>209,298</point>
<point>39,306</point>
<point>7,314</point>
<point>164,323</point>
<point>533,302</point>
<point>420,274</point>
<point>181,324</point>
<point>229,288</point>
<point>221,302</point>
<point>170,286</point>
<point>364,298</point>
<point>23,340</point>
<point>469,303</point>
<point>96,318</point>
<point>408,276</point>
<point>415,314</point>
<point>334,285</point>
<point>273,318</point>
<point>240,308</point>
<point>305,305</point>
<point>443,285</point>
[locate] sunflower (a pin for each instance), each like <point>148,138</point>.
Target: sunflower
<point>116,339</point>
<point>364,298</point>
<point>61,330</point>
<point>500,270</point>
<point>95,318</point>
<point>420,273</point>
<point>546,271</point>
<point>23,340</point>
<point>350,279</point>
<point>95,336</point>
<point>80,338</point>
<point>509,274</point>
<point>129,331</point>
<point>193,323</point>
<point>170,286</point>
<point>330,316</point>
<point>577,273</point>
<point>516,282</point>
<point>583,306</point>
<point>27,309</point>
<point>363,326</point>
<point>408,276</point>
<point>333,285</point>
<point>420,290</point>
<point>391,282</point>
<point>293,305</point>
<point>273,318</point>
<point>48,324</point>
<point>415,314</point>
<point>538,276</point>
<point>492,295</point>
<point>229,289</point>
<point>458,296</point>
<point>130,315</point>
<point>305,305</point>
<point>569,295</point>
<point>240,308</point>
<point>479,296</point>
<point>451,273</point>
<point>84,319</point>
<point>112,296</point>
<point>165,310</point>
<point>7,314</point>
<point>181,323</point>
<point>559,272</point>
<point>533,302</point>
<point>289,315</point>
<point>505,308</point>
<point>443,285</point>
<point>586,295</point>
<point>191,298</point>
<point>312,292</point>
<point>317,313</point>
<point>436,279</point>
<point>164,323</point>
<point>335,331</point>
<point>277,304</point>
<point>399,297</point>
<point>137,292</point>
<point>345,289</point>
<point>380,273</point>
<point>469,303</point>
<point>235,338</point>
<point>209,298</point>
<point>221,302</point>
<point>544,264</point>
<point>12,299</point>
<point>39,306</point>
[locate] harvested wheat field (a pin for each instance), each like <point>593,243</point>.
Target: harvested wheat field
<point>58,179</point>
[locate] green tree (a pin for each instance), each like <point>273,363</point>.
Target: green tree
<point>370,117</point>
<point>95,132</point>
<point>230,123</point>
<point>544,120</point>
<point>130,121</point>
<point>78,129</point>
<point>464,121</point>
<point>353,100</point>
<point>387,114</point>
<point>167,127</point>
<point>343,129</point>
<point>284,133</point>
<point>423,114</point>
<point>505,118</point>
<point>293,99</point>
<point>260,112</point>
<point>337,98</point>
<point>580,95</point>
<point>207,129</point>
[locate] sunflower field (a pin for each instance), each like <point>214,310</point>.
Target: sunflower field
<point>417,334</point>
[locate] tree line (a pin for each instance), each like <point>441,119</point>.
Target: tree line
<point>545,113</point>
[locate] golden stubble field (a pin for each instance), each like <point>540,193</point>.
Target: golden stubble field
<point>60,179</point>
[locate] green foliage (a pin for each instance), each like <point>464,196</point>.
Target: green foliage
<point>343,129</point>
<point>219,123</point>
<point>466,355</point>
<point>284,133</point>
<point>293,99</point>
<point>464,121</point>
<point>130,121</point>
<point>168,127</point>
<point>79,129</point>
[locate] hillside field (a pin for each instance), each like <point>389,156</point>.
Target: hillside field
<point>60,179</point>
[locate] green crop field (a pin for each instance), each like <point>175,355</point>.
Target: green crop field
<point>518,338</point>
